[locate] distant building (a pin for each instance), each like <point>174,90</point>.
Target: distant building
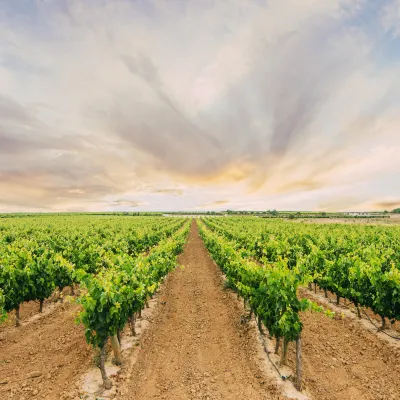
<point>360,213</point>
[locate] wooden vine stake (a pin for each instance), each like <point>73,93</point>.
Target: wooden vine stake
<point>384,326</point>
<point>17,317</point>
<point>116,349</point>
<point>60,295</point>
<point>284,351</point>
<point>259,323</point>
<point>358,310</point>
<point>299,367</point>
<point>277,344</point>
<point>132,324</point>
<point>107,383</point>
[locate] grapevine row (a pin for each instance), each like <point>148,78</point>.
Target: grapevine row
<point>270,292</point>
<point>113,297</point>
<point>360,263</point>
<point>118,264</point>
<point>37,258</point>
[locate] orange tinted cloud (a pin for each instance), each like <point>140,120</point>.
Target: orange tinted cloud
<point>388,205</point>
<point>221,109</point>
<point>215,204</point>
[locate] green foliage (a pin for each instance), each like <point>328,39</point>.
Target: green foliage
<point>3,314</point>
<point>116,293</point>
<point>358,262</point>
<point>271,292</point>
<point>39,254</point>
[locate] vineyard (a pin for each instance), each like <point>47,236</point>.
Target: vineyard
<point>111,266</point>
<point>117,263</point>
<point>266,262</point>
<point>359,263</point>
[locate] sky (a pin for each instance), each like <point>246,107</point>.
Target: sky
<point>199,105</point>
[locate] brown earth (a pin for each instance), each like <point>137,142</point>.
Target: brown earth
<point>27,310</point>
<point>41,359</point>
<point>30,310</point>
<point>366,313</point>
<point>344,361</point>
<point>197,347</point>
<point>393,220</point>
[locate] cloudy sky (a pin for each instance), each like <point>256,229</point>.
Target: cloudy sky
<point>199,104</point>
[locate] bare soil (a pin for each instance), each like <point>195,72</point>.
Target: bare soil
<point>196,347</point>
<point>366,313</point>
<point>42,359</point>
<point>344,361</point>
<point>29,311</point>
<point>393,220</point>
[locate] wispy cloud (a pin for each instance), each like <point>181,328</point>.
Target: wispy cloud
<point>214,204</point>
<point>126,203</point>
<point>173,192</point>
<point>289,102</point>
<point>388,205</point>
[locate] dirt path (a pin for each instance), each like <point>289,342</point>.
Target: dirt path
<point>42,359</point>
<point>196,347</point>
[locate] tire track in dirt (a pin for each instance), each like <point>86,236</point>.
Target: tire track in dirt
<point>196,347</point>
<point>54,347</point>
